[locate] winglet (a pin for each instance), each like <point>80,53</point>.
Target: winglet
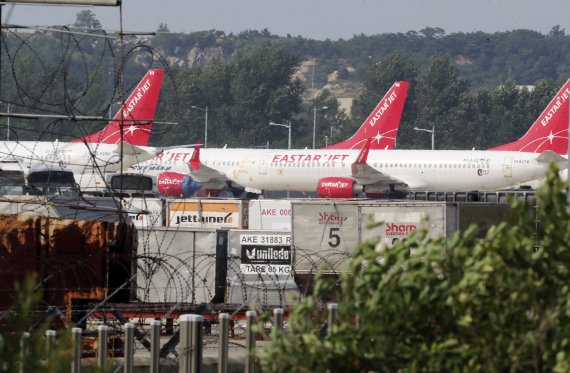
<point>363,155</point>
<point>195,159</point>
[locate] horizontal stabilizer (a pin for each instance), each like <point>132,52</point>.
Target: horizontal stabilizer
<point>550,156</point>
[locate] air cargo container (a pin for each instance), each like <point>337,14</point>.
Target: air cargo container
<point>145,212</point>
<point>326,232</point>
<point>207,213</point>
<point>270,214</point>
<point>259,268</point>
<point>176,265</point>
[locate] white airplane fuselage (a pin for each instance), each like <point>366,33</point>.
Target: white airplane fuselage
<point>89,162</point>
<point>418,169</point>
<point>301,170</point>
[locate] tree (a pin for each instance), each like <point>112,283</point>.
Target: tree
<point>376,83</point>
<point>22,318</point>
<point>498,303</point>
<point>163,27</point>
<point>86,20</point>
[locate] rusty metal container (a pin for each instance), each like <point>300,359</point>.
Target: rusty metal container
<point>77,261</point>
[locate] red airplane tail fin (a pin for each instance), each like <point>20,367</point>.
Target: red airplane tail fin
<point>549,131</point>
<point>135,116</point>
<point>382,124</point>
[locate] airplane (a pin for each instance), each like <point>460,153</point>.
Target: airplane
<point>337,173</point>
<point>91,156</point>
<point>173,175</point>
<point>541,135</point>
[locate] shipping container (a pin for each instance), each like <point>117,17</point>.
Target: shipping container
<point>176,265</point>
<point>326,232</point>
<point>207,213</point>
<point>145,212</point>
<point>270,214</point>
<point>259,268</point>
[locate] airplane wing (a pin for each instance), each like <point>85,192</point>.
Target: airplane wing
<point>365,174</point>
<point>133,154</point>
<point>204,174</point>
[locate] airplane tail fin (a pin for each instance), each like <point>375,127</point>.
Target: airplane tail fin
<point>382,124</point>
<point>135,116</point>
<point>549,131</point>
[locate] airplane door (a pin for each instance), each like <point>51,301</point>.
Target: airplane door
<point>263,167</point>
<point>508,167</point>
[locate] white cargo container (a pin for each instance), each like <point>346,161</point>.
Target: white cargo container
<point>326,232</point>
<point>270,214</point>
<point>145,212</point>
<point>259,268</point>
<point>208,213</point>
<point>176,265</point>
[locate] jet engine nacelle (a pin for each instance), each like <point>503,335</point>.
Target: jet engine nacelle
<point>173,184</point>
<point>338,187</point>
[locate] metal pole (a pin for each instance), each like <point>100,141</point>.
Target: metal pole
<point>8,123</point>
<point>50,342</point>
<point>185,334</point>
<point>224,339</point>
<point>154,346</point>
<point>206,130</point>
<point>433,138</point>
<point>129,329</point>
<point>314,122</point>
<point>102,332</point>
<point>278,319</point>
<point>250,342</point>
<point>332,307</point>
<point>289,143</point>
<point>24,342</point>
<point>197,322</point>
<point>76,340</point>
<point>568,161</point>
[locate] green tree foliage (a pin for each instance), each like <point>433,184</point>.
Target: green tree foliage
<point>438,93</point>
<point>498,303</point>
<point>243,95</point>
<point>31,356</point>
<point>86,19</point>
<point>376,83</point>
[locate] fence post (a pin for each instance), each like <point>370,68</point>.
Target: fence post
<point>24,342</point>
<point>154,346</point>
<point>250,342</point>
<point>184,356</point>
<point>50,342</point>
<point>278,319</point>
<point>129,329</point>
<point>224,339</point>
<point>332,307</point>
<point>197,327</point>
<point>76,340</point>
<point>102,332</point>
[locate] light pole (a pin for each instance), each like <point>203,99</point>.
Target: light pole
<point>432,131</point>
<point>288,126</point>
<point>8,122</point>
<point>205,123</point>
<point>111,109</point>
<point>315,121</point>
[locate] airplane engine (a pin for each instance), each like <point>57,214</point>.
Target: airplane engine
<point>338,187</point>
<point>173,184</point>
